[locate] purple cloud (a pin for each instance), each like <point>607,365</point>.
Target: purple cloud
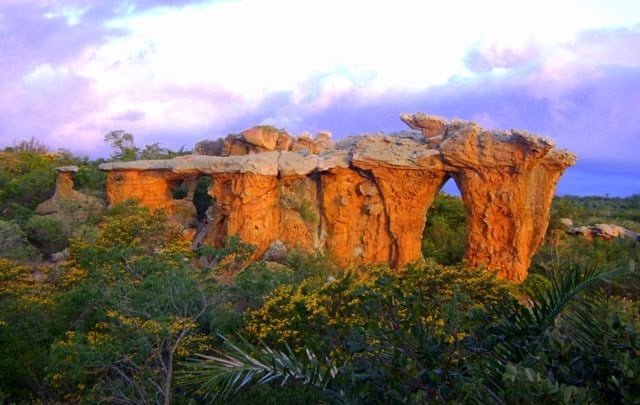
<point>65,75</point>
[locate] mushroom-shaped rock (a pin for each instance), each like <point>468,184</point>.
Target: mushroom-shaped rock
<point>67,202</point>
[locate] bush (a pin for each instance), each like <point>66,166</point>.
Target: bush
<point>445,230</point>
<point>14,243</point>
<point>47,233</point>
<point>325,317</point>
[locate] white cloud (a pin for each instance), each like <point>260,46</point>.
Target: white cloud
<point>72,14</point>
<point>204,65</point>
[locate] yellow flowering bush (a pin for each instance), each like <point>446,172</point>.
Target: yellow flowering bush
<point>429,296</point>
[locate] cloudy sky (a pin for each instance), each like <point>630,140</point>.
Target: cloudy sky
<point>177,72</point>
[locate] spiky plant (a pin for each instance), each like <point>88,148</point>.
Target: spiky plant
<point>513,348</point>
<point>217,377</point>
<point>525,329</point>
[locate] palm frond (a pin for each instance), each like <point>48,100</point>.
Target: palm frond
<point>220,375</point>
<point>548,303</point>
<point>524,329</point>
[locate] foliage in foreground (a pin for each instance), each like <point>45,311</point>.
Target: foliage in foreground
<point>111,324</point>
<point>117,322</point>
<point>456,348</point>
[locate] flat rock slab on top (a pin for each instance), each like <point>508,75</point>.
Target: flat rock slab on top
<point>369,194</point>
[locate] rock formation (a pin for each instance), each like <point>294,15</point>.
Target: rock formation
<point>364,199</point>
<point>67,202</point>
<point>604,231</point>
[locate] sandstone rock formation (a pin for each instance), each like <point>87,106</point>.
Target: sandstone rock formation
<point>364,199</point>
<point>604,231</point>
<point>66,201</point>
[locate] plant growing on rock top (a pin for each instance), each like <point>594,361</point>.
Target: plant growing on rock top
<point>123,145</point>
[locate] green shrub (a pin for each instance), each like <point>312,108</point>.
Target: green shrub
<point>324,317</point>
<point>47,233</point>
<point>445,229</point>
<point>14,243</point>
<point>308,213</point>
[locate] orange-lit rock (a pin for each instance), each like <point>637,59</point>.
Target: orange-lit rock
<point>299,212</point>
<point>151,187</point>
<point>66,201</point>
<point>407,176</point>
<point>364,199</point>
<point>354,222</point>
<point>246,205</point>
<point>507,181</point>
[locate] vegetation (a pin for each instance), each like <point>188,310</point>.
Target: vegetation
<point>444,231</point>
<point>136,316</point>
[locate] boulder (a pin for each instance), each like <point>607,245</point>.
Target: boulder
<point>263,137</point>
<point>429,125</point>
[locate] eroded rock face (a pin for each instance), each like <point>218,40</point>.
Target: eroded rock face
<point>153,188</point>
<point>364,199</point>
<point>506,180</point>
<point>66,201</point>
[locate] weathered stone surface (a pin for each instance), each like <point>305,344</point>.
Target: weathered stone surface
<point>292,164</point>
<point>300,225</point>
<point>284,142</point>
<point>323,138</point>
<point>304,144</point>
<point>263,163</point>
<point>355,234</point>
<point>262,137</point>
<point>430,125</point>
<point>393,152</point>
<point>407,194</point>
<point>67,202</point>
<point>604,231</point>
<point>364,199</point>
<point>246,205</point>
<point>340,158</point>
<point>507,180</point>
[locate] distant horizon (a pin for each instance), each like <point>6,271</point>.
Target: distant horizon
<point>577,180</point>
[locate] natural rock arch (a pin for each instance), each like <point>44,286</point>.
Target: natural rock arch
<point>364,199</point>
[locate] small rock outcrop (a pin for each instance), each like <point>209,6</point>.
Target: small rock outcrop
<point>604,231</point>
<point>66,201</point>
<point>364,199</point>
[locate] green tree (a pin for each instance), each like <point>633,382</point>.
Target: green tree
<point>123,145</point>
<point>27,178</point>
<point>139,308</point>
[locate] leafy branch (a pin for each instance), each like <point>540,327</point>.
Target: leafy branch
<point>218,376</point>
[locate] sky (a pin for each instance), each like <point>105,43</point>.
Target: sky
<point>178,72</point>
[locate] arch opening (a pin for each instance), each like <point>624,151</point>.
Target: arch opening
<point>444,235</point>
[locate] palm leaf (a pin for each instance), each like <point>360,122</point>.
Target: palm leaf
<point>228,371</point>
<point>525,329</point>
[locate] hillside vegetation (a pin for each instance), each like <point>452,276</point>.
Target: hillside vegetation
<point>134,315</point>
